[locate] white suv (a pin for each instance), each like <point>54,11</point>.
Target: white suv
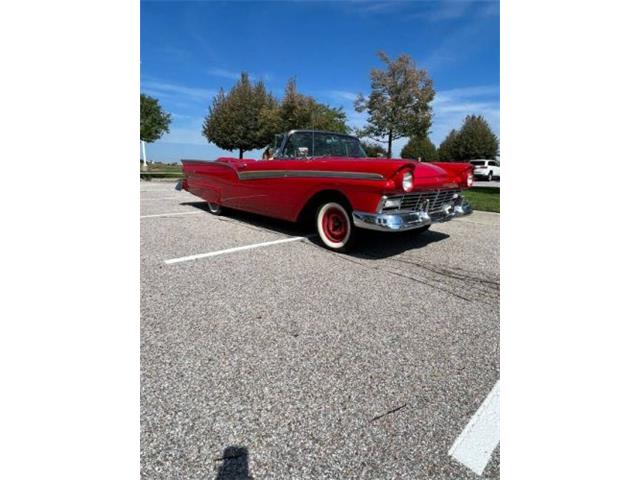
<point>488,169</point>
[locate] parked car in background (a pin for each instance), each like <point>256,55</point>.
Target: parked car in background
<point>328,178</point>
<point>486,169</point>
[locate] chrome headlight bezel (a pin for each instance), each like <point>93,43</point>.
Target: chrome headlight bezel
<point>407,181</point>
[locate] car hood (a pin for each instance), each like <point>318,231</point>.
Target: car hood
<point>426,175</point>
<point>384,166</point>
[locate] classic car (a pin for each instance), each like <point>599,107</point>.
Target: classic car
<point>327,177</point>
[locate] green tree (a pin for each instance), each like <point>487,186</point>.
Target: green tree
<point>154,121</point>
<point>399,102</point>
<point>373,149</point>
<point>420,147</point>
<point>266,109</point>
<point>329,118</point>
<point>298,111</point>
<point>476,140</point>
<point>218,126</point>
<point>243,119</point>
<point>448,149</point>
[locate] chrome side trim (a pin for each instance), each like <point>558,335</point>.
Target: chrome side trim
<point>261,174</point>
<point>241,197</point>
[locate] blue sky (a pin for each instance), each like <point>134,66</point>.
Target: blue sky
<point>191,49</point>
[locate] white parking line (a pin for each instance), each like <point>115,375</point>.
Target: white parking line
<point>232,250</point>
<point>148,199</point>
<point>462,220</point>
<point>478,440</point>
<point>169,214</point>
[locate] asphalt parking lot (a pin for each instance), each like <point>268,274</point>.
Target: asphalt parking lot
<point>285,360</point>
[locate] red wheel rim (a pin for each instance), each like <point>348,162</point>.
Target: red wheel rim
<point>335,225</point>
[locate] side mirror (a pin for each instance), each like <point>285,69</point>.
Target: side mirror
<point>303,152</point>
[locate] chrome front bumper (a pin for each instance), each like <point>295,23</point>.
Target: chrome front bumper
<point>402,221</point>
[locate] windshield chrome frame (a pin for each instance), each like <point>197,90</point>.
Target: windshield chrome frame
<point>278,151</point>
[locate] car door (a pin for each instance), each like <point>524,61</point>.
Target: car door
<point>278,190</point>
<point>273,187</point>
<point>493,167</point>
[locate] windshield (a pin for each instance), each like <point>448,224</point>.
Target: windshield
<point>277,140</point>
<point>321,144</point>
<point>478,162</point>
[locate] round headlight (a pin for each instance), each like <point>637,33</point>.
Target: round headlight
<point>470,180</point>
<point>407,181</point>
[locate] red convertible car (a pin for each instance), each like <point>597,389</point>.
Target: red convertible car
<point>328,177</point>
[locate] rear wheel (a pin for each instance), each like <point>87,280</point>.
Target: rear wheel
<point>215,208</point>
<point>335,226</point>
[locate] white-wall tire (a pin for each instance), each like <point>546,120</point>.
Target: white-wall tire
<point>335,226</point>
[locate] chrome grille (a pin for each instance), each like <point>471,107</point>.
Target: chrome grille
<point>429,200</point>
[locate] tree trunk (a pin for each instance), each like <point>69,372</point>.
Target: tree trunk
<point>241,152</point>
<point>389,147</point>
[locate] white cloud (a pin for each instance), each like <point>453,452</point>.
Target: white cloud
<point>186,129</point>
<point>180,116</point>
<point>341,95</point>
<point>450,107</point>
<point>455,9</point>
<point>444,96</point>
<point>490,9</point>
<point>190,135</point>
<point>356,119</point>
<point>221,72</point>
<point>171,89</point>
<point>431,11</point>
<point>447,11</point>
<point>454,47</point>
<point>366,6</point>
<point>465,107</point>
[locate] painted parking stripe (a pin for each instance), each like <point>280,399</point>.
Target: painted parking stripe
<point>478,440</point>
<point>169,214</point>
<point>232,250</point>
<point>148,199</point>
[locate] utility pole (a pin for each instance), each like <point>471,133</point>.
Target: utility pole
<point>144,155</point>
<point>144,150</point>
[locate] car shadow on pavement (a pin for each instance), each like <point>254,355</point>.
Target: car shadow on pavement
<point>380,245</point>
<point>370,245</point>
<point>235,464</point>
<point>255,220</point>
